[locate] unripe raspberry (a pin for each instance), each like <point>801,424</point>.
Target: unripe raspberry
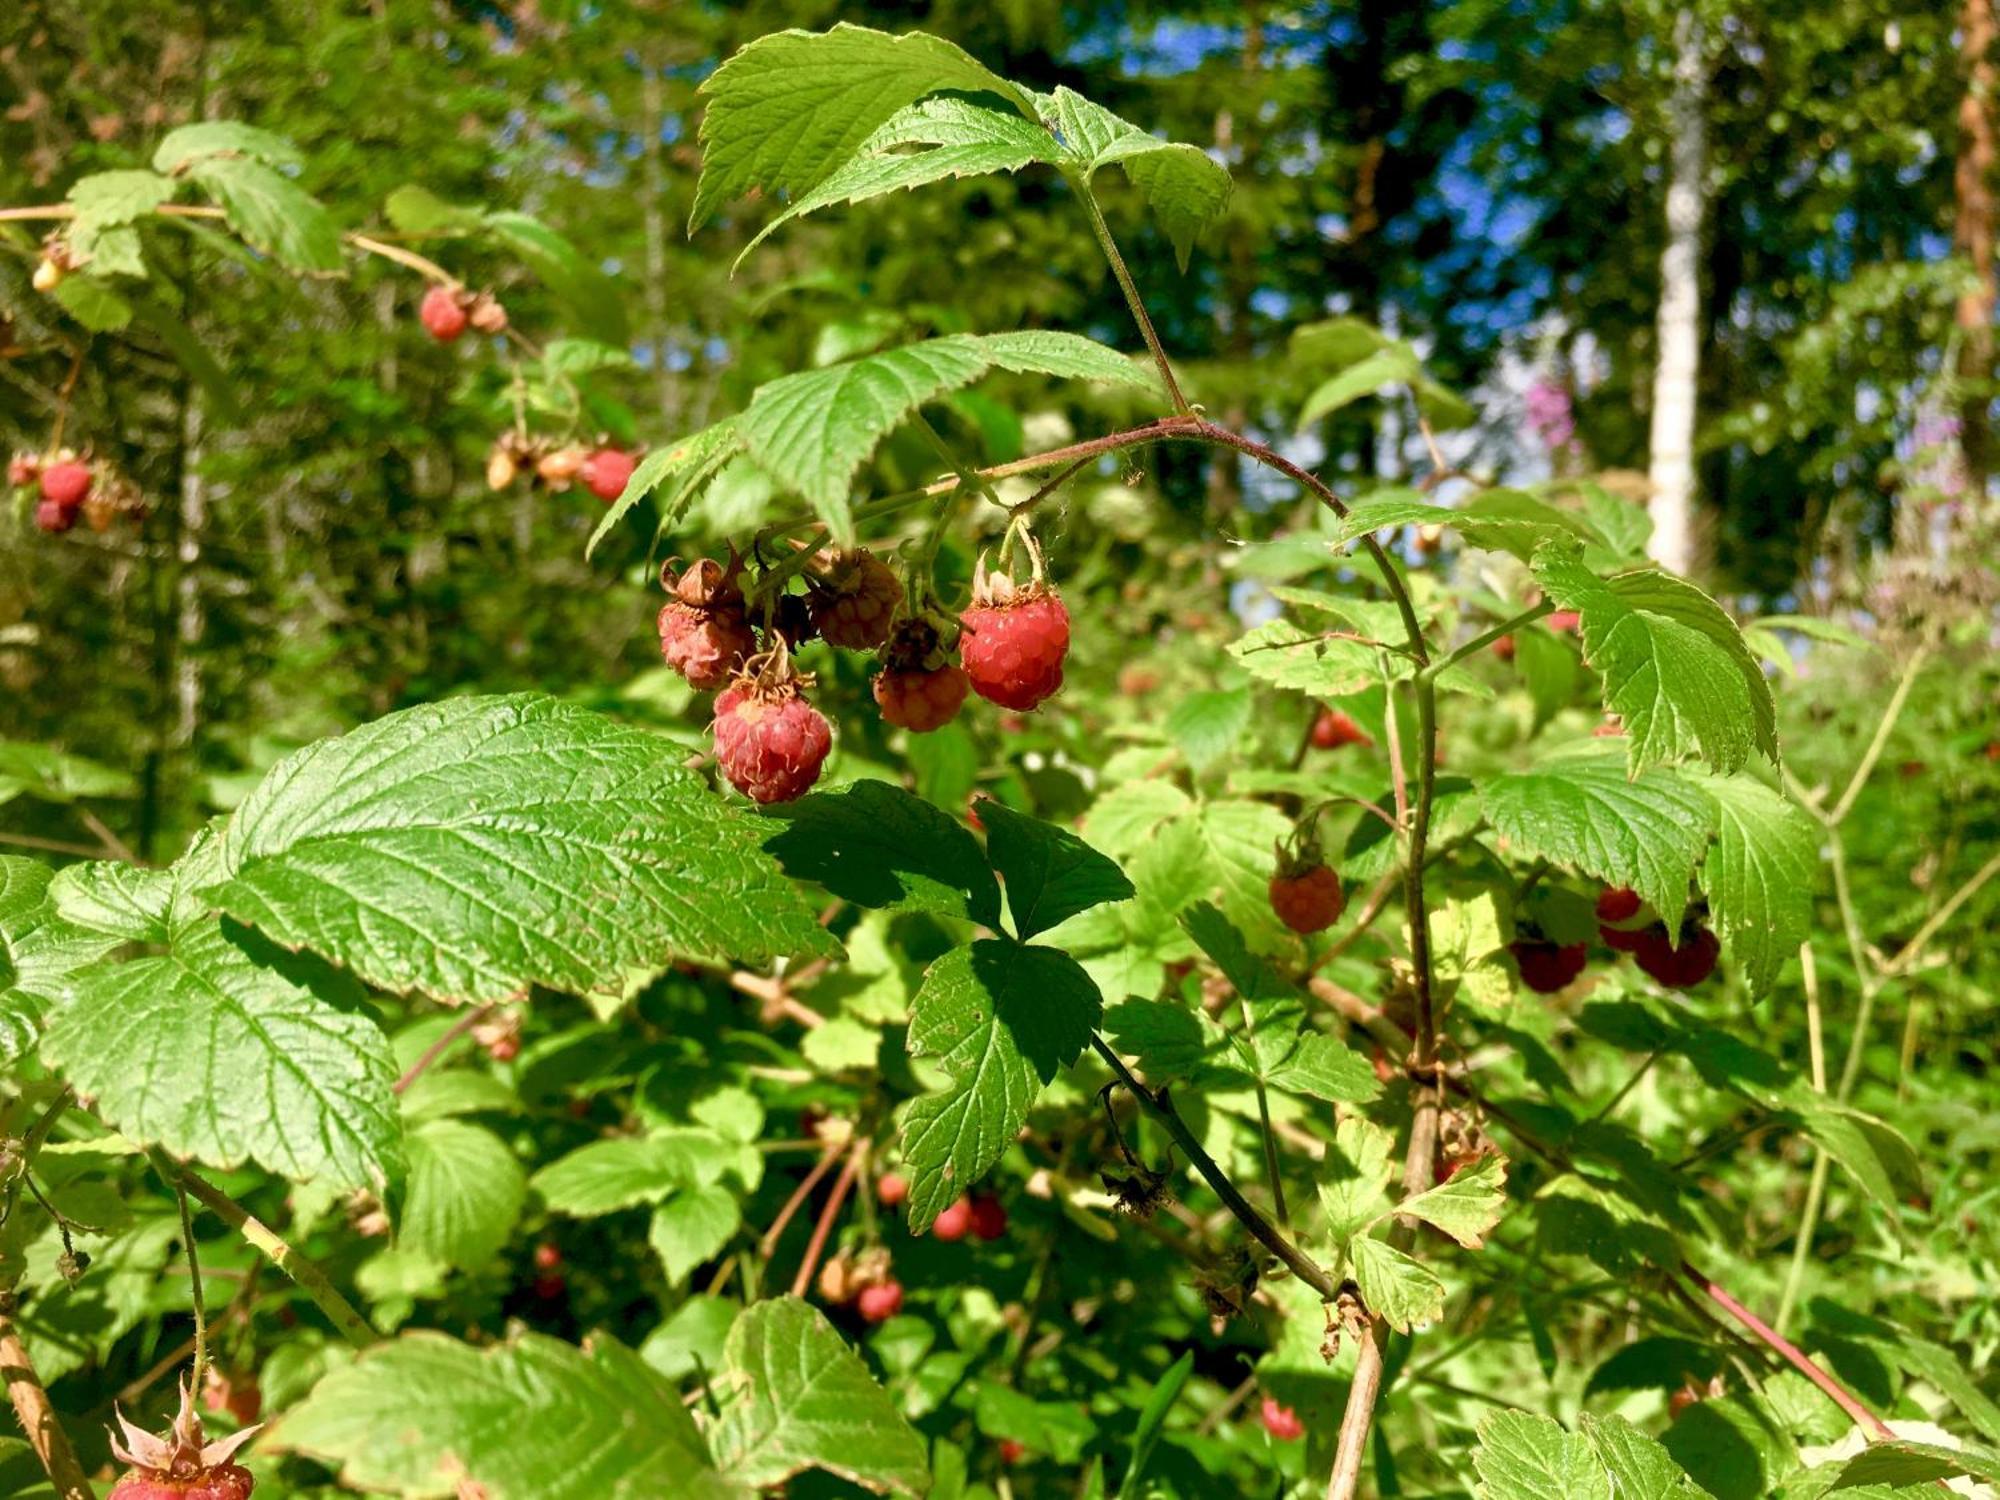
<point>1564,620</point>
<point>486,314</point>
<point>988,1216</point>
<point>501,469</point>
<point>443,313</point>
<point>1504,648</point>
<point>1014,642</point>
<point>52,517</point>
<point>607,471</point>
<point>1682,967</point>
<point>891,1189</point>
<point>1281,1421</point>
<point>1308,898</point>
<point>557,468</point>
<point>23,469</point>
<point>66,482</point>
<point>955,1222</point>
<point>1332,729</point>
<point>769,741</point>
<point>1548,967</point>
<point>48,275</point>
<point>857,603</point>
<point>878,1304</point>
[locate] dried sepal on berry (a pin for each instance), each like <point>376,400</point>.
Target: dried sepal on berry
<point>769,741</point>
<point>705,633</point>
<point>1015,637</point>
<point>180,1465</point>
<point>855,600</point>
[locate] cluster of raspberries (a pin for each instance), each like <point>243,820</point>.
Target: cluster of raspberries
<point>1679,960</point>
<point>1009,643</point>
<point>68,487</point>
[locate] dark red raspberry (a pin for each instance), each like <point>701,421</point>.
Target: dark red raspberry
<point>1308,897</point>
<point>891,1189</point>
<point>1548,967</point>
<point>1014,642</point>
<point>878,1304</point>
<point>857,600</point>
<point>606,472</point>
<point>921,701</point>
<point>769,741</point>
<point>1682,967</point>
<point>704,633</point>
<point>1281,1421</point>
<point>989,1217</point>
<point>1332,729</point>
<point>1011,1450</point>
<point>66,483</point>
<point>443,313</point>
<point>52,517</point>
<point>1618,904</point>
<point>180,1466</point>
<point>954,1222</point>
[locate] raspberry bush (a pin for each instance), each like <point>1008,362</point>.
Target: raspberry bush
<point>1014,998</point>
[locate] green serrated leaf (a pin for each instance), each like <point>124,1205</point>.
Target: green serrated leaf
<point>1668,597</point>
<point>691,1228</point>
<point>1395,365</point>
<point>471,848</point>
<point>226,1049</point>
<point>1315,662</point>
<point>1003,1019</point>
<point>1639,1468</point>
<point>53,776</point>
<point>1398,1289</point>
<point>1499,520</point>
<point>1871,1150</point>
<point>808,1402</point>
<point>271,212</point>
<point>1761,875</point>
<point>1624,524</point>
<point>1900,1464</point>
<point>1526,1457</point>
<point>1679,692</point>
<point>791,108</point>
<point>417,210</point>
<point>1583,811</point>
<point>1050,873</point>
<point>465,1193</point>
<point>1323,1067</point>
<point>1354,1187</point>
<point>878,846</point>
<point>1467,1206</point>
<point>189,144</point>
<point>679,469</point>
<point>1185,187</point>
<point>1250,976</point>
<point>39,950</point>
<point>606,1176</point>
<point>94,303</point>
<point>106,202</point>
<point>1207,726</point>
<point>530,1419</point>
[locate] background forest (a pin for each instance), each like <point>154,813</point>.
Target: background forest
<point>1737,259</point>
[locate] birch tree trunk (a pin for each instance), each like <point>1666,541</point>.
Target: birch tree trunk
<point>1674,378</point>
<point>1973,236</point>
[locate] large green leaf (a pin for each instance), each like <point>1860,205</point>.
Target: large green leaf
<point>1185,187</point>
<point>108,201</point>
<point>466,1191</point>
<point>807,1401</point>
<point>39,950</point>
<point>1672,598</point>
<point>1526,1457</point>
<point>271,212</point>
<point>950,135</point>
<point>1316,662</point>
<point>1583,811</point>
<point>876,845</point>
<point>1679,690</point>
<point>223,1047</point>
<point>623,1172</point>
<point>530,1419</point>
<point>1761,875</point>
<point>471,848</point>
<point>1051,874</point>
<point>1399,1289</point>
<point>692,1226</point>
<point>1501,520</point>
<point>1467,1205</point>
<point>811,430</point>
<point>183,147</point>
<point>1003,1019</point>
<point>790,108</point>
<point>52,776</point>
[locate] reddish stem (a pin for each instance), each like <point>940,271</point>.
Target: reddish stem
<point>1793,1355</point>
<point>802,1282</point>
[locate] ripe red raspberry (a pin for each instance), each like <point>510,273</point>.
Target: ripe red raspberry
<point>1014,643</point>
<point>550,1287</point>
<point>878,1304</point>
<point>989,1217</point>
<point>954,1222</point>
<point>180,1466</point>
<point>891,1189</point>
<point>1618,904</point>
<point>1332,729</point>
<point>769,741</point>
<point>1308,897</point>
<point>1281,1421</point>
<point>922,701</point>
<point>23,469</point>
<point>704,634</point>
<point>52,517</point>
<point>856,603</point>
<point>1563,620</point>
<point>1504,648</point>
<point>1548,967</point>
<point>443,313</point>
<point>1683,967</point>
<point>606,472</point>
<point>66,483</point>
<point>547,1257</point>
<point>1011,1450</point>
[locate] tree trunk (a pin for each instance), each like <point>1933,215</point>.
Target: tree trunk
<point>1973,237</point>
<point>1675,376</point>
